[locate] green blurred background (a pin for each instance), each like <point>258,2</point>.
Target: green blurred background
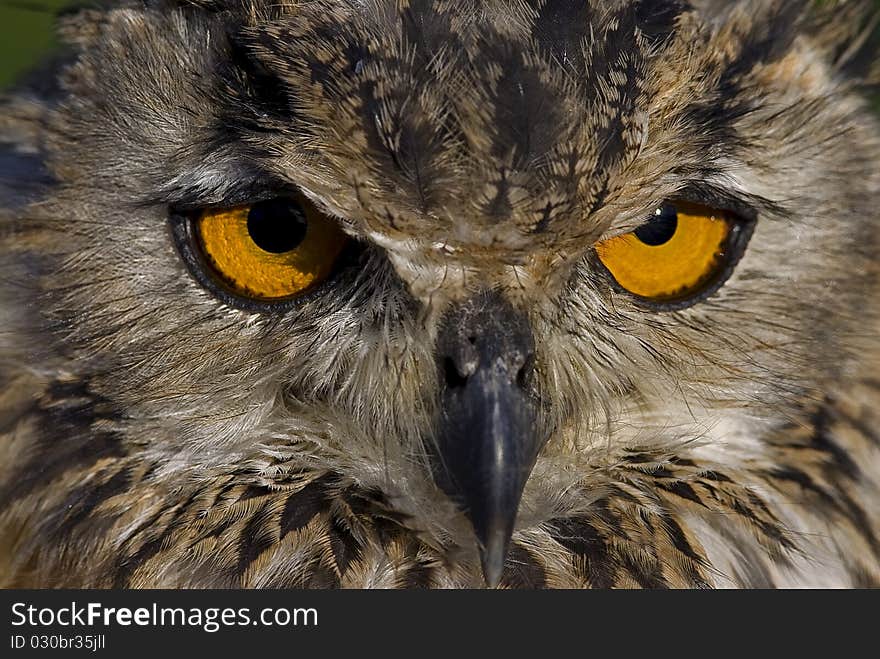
<point>26,34</point>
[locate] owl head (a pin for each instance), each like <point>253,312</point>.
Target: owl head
<point>495,263</point>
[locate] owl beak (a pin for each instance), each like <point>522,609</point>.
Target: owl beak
<point>487,440</point>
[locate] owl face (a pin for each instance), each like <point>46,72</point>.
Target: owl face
<point>472,255</point>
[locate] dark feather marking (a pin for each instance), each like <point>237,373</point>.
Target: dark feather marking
<point>323,73</point>
<point>835,469</point>
<point>254,491</point>
<point>614,145</point>
<point>126,565</point>
<point>320,577</point>
<point>255,539</point>
<point>428,31</point>
<point>314,575</point>
<point>647,576</point>
<point>771,529</point>
<point>860,519</point>
<point>640,458</point>
<point>498,206</point>
<point>583,540</point>
<point>345,547</point>
<point>662,473</point>
<point>861,426</point>
<point>419,576</point>
<point>821,440</point>
<point>67,410</point>
<point>679,540</point>
<point>304,505</point>
<point>216,531</point>
<point>397,140</point>
<point>841,466</point>
<point>526,111</point>
<point>373,503</point>
<point>770,40</point>
<point>805,481</point>
<point>861,578</point>
<point>714,118</point>
<point>260,93</point>
<point>80,503</point>
<point>752,572</point>
<point>522,570</point>
<point>683,490</point>
<point>615,53</point>
<point>614,42</point>
<point>542,224</point>
<point>794,475</point>
<point>657,18</point>
<point>716,476</point>
<point>676,535</point>
<point>682,462</point>
<point>560,28</point>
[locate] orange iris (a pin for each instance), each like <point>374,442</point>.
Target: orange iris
<point>270,250</point>
<point>673,256</point>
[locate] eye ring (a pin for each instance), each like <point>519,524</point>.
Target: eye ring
<point>740,227</point>
<point>185,235</point>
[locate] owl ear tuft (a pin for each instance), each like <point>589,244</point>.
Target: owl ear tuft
<point>845,33</point>
<point>848,33</point>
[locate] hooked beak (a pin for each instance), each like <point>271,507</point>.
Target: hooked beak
<point>487,440</point>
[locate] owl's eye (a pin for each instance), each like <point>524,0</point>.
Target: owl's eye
<point>271,250</point>
<point>682,251</point>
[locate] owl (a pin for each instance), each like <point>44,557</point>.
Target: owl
<point>443,293</point>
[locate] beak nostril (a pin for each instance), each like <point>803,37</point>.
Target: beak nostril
<point>524,374</point>
<point>454,379</point>
<point>487,433</point>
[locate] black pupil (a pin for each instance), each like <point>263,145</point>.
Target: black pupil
<point>277,225</point>
<point>660,228</point>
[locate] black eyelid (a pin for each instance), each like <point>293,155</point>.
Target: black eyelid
<point>745,211</point>
<point>242,197</point>
<point>256,186</point>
